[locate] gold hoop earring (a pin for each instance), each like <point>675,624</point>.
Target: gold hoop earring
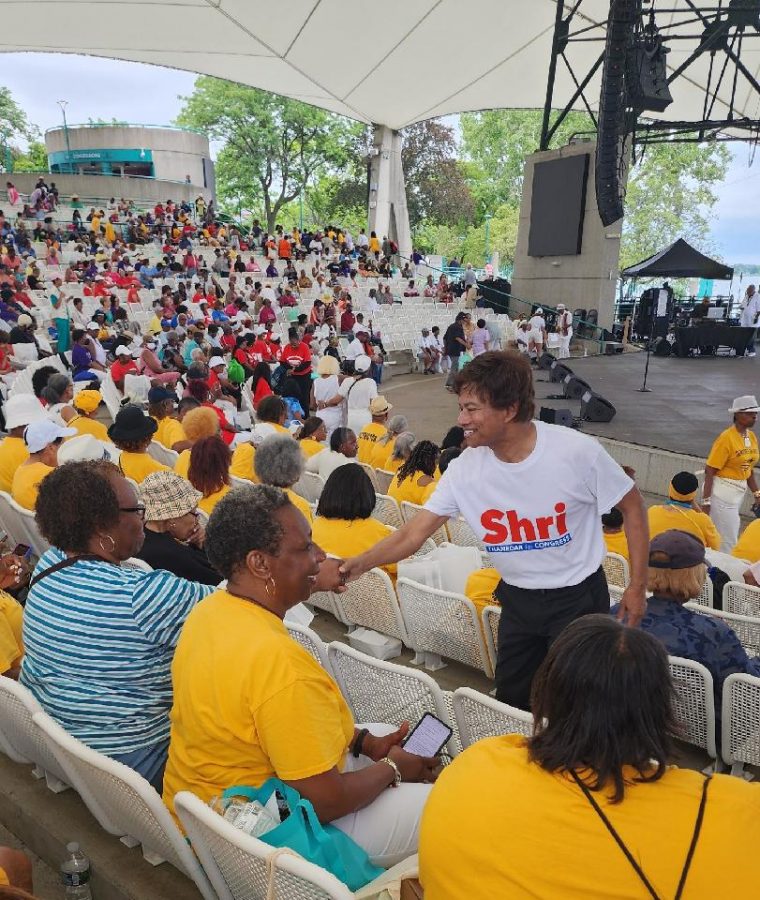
<point>113,544</point>
<point>271,592</point>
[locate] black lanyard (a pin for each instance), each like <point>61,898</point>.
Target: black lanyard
<point>629,856</point>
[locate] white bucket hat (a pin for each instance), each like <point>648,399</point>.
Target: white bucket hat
<point>23,409</point>
<point>747,403</point>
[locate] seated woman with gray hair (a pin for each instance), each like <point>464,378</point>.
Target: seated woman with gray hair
<point>251,704</point>
<point>279,462</point>
<point>57,396</point>
<point>402,450</point>
<point>383,449</point>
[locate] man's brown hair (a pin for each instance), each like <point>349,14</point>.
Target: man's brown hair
<point>501,379</point>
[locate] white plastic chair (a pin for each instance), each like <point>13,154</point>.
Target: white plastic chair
<point>371,602</point>
<point>616,570</point>
<point>32,535</point>
<point>124,803</point>
<point>479,716</point>
<point>164,455</point>
<point>25,353</point>
<point>741,599</point>
<point>705,597</point>
<point>410,510</point>
<point>311,642</point>
<point>383,479</point>
<point>136,388</point>
<point>381,691</point>
<point>443,624</point>
<point>746,628</point>
<point>370,472</point>
<point>10,519</point>
<point>694,703</point>
<point>491,617</point>
<point>461,534</point>
<point>740,722</point>
<point>110,393</point>
<point>241,867</point>
<point>134,563</point>
<point>387,511</point>
<point>309,486</point>
<point>20,738</point>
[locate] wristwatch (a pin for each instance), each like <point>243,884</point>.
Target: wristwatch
<point>396,771</point>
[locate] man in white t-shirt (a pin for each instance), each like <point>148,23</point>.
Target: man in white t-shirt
<point>564,330</point>
<point>534,494</point>
<point>537,333</point>
<point>427,351</point>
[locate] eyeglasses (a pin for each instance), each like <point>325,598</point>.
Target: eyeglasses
<point>140,510</point>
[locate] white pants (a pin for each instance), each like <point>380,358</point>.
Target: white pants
<point>389,828</point>
<point>564,345</point>
<point>725,517</point>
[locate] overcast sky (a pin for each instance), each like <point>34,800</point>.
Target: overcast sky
<point>106,89</point>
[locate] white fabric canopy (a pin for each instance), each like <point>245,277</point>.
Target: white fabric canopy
<point>394,62</point>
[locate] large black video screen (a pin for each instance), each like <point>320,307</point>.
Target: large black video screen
<point>558,206</point>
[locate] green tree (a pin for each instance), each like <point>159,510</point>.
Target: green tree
<point>33,160</point>
<point>14,127</point>
<point>273,146</point>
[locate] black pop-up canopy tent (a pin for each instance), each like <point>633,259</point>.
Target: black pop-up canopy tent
<point>679,260</point>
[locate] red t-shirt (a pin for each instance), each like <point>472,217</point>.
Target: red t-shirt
<point>228,341</point>
<point>262,390</point>
<point>297,355</point>
<point>261,351</point>
<point>120,369</point>
<point>347,321</point>
<point>227,433</point>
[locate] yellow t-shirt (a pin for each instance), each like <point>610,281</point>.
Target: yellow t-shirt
<point>182,465</point>
<point>86,425</point>
<point>26,482</point>
<point>169,432</point>
<point>11,643</point>
<point>669,516</point>
<point>249,703</point>
<point>480,587</point>
<point>391,465</point>
<point>345,538</point>
<point>555,846</point>
<point>368,438</point>
<point>410,490</point>
<point>310,447</point>
<point>4,878</point>
<point>207,504</point>
<point>242,462</point>
<point>731,457</point>
<point>616,543</point>
<point>748,545</point>
<point>381,453</point>
<point>139,465</point>
<point>300,504</point>
<point>13,452</point>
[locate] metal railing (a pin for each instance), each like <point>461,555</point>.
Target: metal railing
<point>125,125</point>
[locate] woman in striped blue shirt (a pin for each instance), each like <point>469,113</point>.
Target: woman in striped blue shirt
<point>99,636</point>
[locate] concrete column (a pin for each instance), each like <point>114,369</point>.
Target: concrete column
<point>388,213</point>
<point>586,281</point>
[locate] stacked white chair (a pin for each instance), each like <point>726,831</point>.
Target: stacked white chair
<point>443,624</point>
<point>479,716</point>
<point>740,722</point>
<point>381,691</point>
<point>694,703</point>
<point>124,803</point>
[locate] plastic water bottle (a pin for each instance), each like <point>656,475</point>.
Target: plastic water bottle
<point>75,874</point>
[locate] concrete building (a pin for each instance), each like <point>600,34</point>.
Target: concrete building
<point>162,153</point>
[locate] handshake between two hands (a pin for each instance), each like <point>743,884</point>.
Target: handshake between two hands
<point>334,574</point>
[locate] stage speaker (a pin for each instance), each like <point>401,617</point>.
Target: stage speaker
<point>647,76</point>
<point>574,388</point>
<point>546,360</point>
<point>559,372</point>
<point>661,347</point>
<point>596,409</point>
<point>556,416</point>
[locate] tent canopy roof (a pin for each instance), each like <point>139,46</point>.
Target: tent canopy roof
<point>679,260</point>
<point>394,64</point>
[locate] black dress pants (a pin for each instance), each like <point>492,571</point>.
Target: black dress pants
<point>531,619</point>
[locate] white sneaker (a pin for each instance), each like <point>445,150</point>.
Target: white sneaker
<point>751,355</point>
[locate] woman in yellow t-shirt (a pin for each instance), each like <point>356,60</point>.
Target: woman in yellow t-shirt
<point>209,471</point>
<point>730,470</point>
<point>383,448</point>
<point>86,404</point>
<point>279,462</point>
<point>415,480</point>
<point>249,703</point>
<point>614,537</point>
<point>132,432</point>
<point>344,525</point>
<point>602,696</point>
<point>198,423</point>
<point>312,436</point>
<point>402,450</point>
<point>42,438</point>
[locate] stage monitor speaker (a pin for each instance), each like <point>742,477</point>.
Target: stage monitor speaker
<point>546,360</point>
<point>559,372</point>
<point>647,78</point>
<point>661,347</point>
<point>596,409</point>
<point>574,388</point>
<point>556,416</point>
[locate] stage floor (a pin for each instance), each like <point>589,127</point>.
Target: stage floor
<point>686,409</point>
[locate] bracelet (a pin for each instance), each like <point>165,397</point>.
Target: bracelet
<point>359,743</point>
<point>396,771</point>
